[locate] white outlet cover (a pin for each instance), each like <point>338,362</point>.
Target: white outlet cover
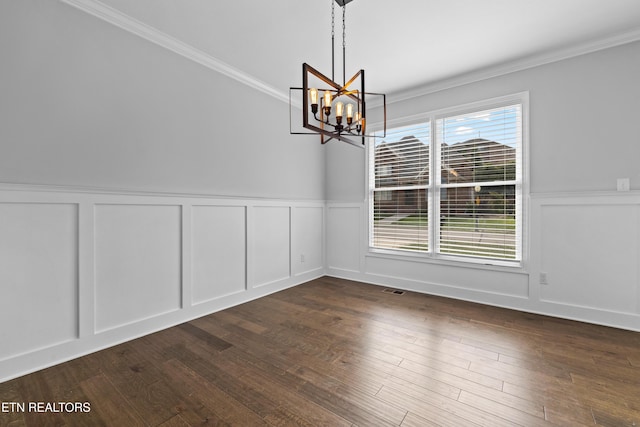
<point>623,184</point>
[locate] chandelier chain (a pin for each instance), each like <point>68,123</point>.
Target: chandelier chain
<point>344,44</point>
<point>344,26</point>
<point>333,18</point>
<point>333,43</point>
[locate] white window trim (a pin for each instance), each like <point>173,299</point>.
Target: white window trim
<point>432,256</point>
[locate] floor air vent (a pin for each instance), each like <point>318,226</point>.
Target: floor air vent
<point>393,291</point>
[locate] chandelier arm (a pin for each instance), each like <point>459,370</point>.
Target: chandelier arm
<point>346,85</point>
<point>321,76</point>
<point>327,122</point>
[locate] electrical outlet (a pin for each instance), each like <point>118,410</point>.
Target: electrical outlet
<point>301,257</point>
<point>623,184</point>
<point>544,279</point>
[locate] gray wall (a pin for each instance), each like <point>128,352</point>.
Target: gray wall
<point>133,151</point>
<point>583,116</point>
<point>84,103</point>
<point>580,232</point>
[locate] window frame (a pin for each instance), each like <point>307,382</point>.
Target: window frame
<point>434,186</point>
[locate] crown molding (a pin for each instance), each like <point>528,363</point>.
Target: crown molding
<point>132,25</point>
<point>516,65</point>
<point>147,32</point>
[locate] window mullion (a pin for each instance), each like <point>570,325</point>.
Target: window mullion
<point>434,209</point>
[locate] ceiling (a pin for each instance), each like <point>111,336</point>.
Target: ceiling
<point>401,44</point>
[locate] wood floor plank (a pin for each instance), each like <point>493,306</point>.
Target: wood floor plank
<point>176,421</point>
<point>39,390</point>
<point>281,387</point>
<point>440,381</point>
<point>468,352</point>
<point>335,352</point>
<point>606,417</point>
<point>514,374</point>
<point>413,420</point>
<point>502,409</point>
<point>569,415</point>
<point>457,377</point>
<point>10,396</point>
<point>611,393</point>
<point>209,339</point>
<point>354,406</point>
<point>228,317</point>
<point>561,405</point>
<point>534,365</point>
<point>415,387</point>
<point>109,404</point>
<point>217,406</point>
<point>437,414</point>
<point>294,402</point>
<point>352,400</point>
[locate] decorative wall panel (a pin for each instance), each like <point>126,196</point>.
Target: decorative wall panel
<point>344,237</point>
<point>38,276</point>
<point>590,256</point>
<point>218,251</point>
<point>308,234</point>
<point>271,244</point>
<point>138,263</point>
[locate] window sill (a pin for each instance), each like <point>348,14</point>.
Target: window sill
<point>451,261</point>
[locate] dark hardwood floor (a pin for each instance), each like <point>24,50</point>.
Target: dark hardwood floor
<point>339,353</point>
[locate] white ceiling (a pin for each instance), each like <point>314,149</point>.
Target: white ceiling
<point>401,44</point>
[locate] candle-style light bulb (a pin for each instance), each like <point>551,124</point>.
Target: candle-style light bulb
<point>349,113</point>
<point>313,94</point>
<point>358,122</point>
<point>327,102</point>
<point>327,99</point>
<point>339,113</point>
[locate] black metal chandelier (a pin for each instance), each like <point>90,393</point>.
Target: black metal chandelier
<point>332,110</point>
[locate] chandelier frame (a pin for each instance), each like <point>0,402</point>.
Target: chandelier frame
<point>316,111</point>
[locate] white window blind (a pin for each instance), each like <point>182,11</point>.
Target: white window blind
<point>400,179</point>
<point>454,193</point>
<point>480,183</point>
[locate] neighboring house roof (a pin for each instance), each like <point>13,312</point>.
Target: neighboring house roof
<point>410,157</point>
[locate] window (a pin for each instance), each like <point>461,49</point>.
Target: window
<point>450,186</point>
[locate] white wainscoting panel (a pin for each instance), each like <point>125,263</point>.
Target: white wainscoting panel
<point>588,244</point>
<point>271,244</point>
<point>308,233</point>
<point>138,263</point>
<point>85,269</point>
<point>219,251</point>
<point>38,276</point>
<point>590,255</point>
<point>448,280</point>
<point>344,237</point>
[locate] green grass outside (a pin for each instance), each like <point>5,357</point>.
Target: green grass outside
<point>422,220</point>
<point>502,225</point>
